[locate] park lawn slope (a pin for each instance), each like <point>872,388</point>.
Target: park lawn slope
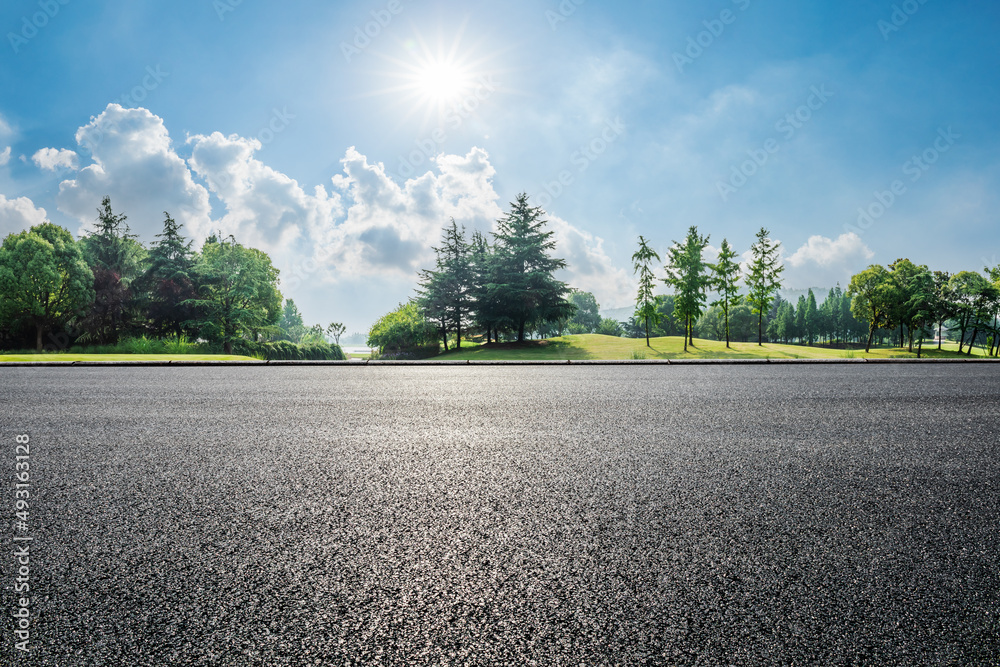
<point>595,347</point>
<point>122,357</point>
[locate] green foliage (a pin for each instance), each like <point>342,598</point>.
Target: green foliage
<point>645,301</point>
<point>764,279</point>
<point>686,273</point>
<point>291,324</point>
<point>169,281</point>
<point>44,279</point>
<point>238,293</point>
<point>525,292</point>
<point>724,280</point>
<point>609,327</point>
<point>872,298</point>
<point>403,331</point>
<point>587,317</point>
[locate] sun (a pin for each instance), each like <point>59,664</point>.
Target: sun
<point>440,82</point>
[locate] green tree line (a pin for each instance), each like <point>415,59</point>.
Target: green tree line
<point>56,291</point>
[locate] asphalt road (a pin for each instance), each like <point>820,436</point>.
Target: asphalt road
<point>743,515</point>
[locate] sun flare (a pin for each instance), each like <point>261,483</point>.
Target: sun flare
<point>441,82</point>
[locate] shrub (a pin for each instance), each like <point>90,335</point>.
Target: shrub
<point>403,331</point>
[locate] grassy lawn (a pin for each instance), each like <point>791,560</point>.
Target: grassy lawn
<point>122,357</point>
<point>596,347</point>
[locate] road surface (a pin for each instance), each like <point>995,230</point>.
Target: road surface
<point>743,515</point>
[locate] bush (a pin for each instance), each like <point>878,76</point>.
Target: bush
<point>403,331</point>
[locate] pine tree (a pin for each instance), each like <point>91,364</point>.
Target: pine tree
<point>645,305</point>
<point>686,274</point>
<point>168,281</point>
<point>764,279</point>
<point>725,276</point>
<point>526,292</point>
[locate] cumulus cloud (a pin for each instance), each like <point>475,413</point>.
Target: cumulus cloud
<point>19,214</point>
<point>52,158</point>
<point>4,156</point>
<point>136,165</point>
<point>588,266</point>
<point>822,262</point>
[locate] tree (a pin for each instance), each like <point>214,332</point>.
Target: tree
<point>43,278</point>
<point>587,317</point>
<point>871,292</point>
<point>686,274</point>
<point>904,276</point>
<point>975,299</point>
<point>485,271</point>
<point>725,276</point>
<point>237,292</point>
<point>336,330</point>
<point>645,302</point>
<point>168,281</point>
<point>404,331</point>
<point>447,294</point>
<point>610,327</point>
<point>811,318</point>
<point>525,292</point>
<point>764,278</point>
<point>116,258</point>
<point>291,323</point>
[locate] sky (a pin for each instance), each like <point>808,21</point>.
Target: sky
<point>340,137</point>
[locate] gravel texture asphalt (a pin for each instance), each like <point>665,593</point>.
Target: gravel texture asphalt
<point>704,515</point>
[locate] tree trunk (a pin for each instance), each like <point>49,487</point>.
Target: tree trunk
<point>920,346</point>
<point>940,326</point>
<point>647,332</point>
<point>520,332</point>
<point>972,341</point>
<point>727,328</point>
<point>871,334</point>
<point>227,346</point>
<point>458,335</point>
<point>38,337</point>
<point>760,328</point>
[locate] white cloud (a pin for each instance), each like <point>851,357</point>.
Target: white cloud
<point>52,158</point>
<point>5,128</point>
<point>19,214</point>
<point>822,262</point>
<point>4,156</point>
<point>135,164</point>
<point>589,268</point>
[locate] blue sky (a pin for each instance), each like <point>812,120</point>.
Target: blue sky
<point>343,156</point>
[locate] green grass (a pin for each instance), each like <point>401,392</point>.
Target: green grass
<point>597,347</point>
<point>122,357</point>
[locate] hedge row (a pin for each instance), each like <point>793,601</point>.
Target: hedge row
<point>283,350</point>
